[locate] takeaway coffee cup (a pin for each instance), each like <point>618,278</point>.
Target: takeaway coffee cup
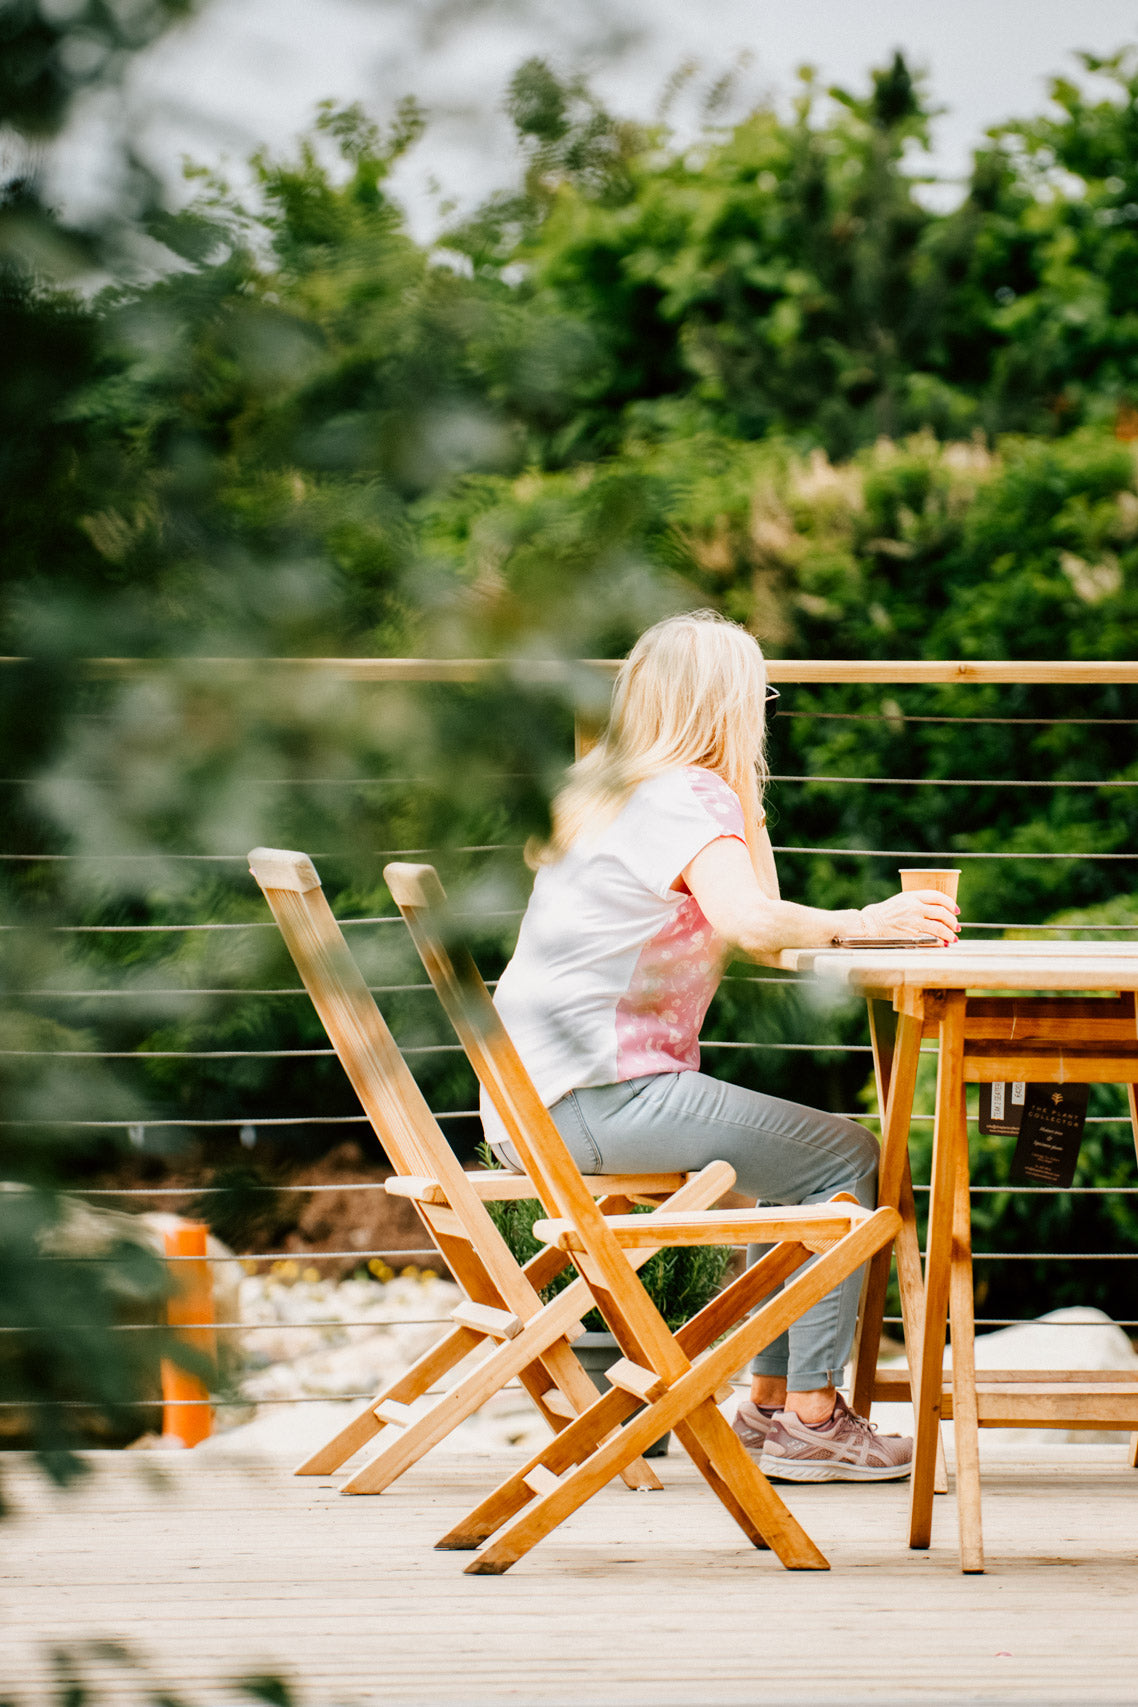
<point>941,877</point>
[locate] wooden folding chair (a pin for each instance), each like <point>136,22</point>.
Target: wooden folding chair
<point>503,1314</point>
<point>656,1384</point>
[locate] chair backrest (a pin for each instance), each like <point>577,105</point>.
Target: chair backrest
<point>408,1131</point>
<point>421,899</point>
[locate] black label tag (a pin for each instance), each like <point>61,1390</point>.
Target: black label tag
<point>1001,1109</point>
<point>1050,1134</point>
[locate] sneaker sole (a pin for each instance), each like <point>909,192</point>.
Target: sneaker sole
<point>805,1470</point>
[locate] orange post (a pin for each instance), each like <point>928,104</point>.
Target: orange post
<point>187,1415</point>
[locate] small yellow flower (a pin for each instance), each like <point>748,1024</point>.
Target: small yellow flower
<point>426,1274</point>
<point>311,1276</point>
<point>411,1272</point>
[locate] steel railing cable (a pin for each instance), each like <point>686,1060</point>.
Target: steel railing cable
<point>242,858</point>
<point>950,854</point>
<point>231,925</point>
<point>789,847</point>
<point>144,991</point>
<point>229,1120</point>
<point>409,1049</point>
<point>304,1258</point>
<point>894,719</point>
<point>962,781</point>
<point>216,1402</point>
<point>224,1402</point>
<point>378,1185</point>
<point>234,1327</point>
<point>255,1120</point>
<point>1024,1322</point>
<point>516,912</point>
<point>312,1257</point>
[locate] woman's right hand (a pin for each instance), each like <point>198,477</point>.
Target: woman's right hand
<point>913,913</point>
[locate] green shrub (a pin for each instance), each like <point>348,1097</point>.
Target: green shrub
<point>680,1279</point>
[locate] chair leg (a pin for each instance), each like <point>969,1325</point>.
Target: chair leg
<point>365,1425</point>
<point>501,1364</point>
<point>693,1446</point>
<point>544,1511</point>
<point>737,1481</point>
<point>1132,1099</point>
<point>535,1361</point>
<point>559,1366</point>
<point>576,1442</point>
<point>570,1491</point>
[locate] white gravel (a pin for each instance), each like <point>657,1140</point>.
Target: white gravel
<point>312,1338</point>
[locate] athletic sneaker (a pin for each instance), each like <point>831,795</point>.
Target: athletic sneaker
<point>847,1448</point>
<point>752,1425</point>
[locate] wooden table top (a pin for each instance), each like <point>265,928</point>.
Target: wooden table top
<point>1004,965</point>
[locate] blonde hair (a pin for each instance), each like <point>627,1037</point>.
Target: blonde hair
<point>690,692</point>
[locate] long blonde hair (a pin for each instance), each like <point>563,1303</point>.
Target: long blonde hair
<point>690,692</point>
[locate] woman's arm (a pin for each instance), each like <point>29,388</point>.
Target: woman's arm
<point>723,881</point>
<point>763,862</point>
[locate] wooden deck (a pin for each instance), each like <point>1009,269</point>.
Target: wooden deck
<point>648,1599</point>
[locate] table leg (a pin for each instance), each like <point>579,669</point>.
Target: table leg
<point>896,1058</point>
<point>883,1036</point>
<point>911,1283</point>
<point>1132,1098</point>
<point>929,1375</point>
<point>966,1426</point>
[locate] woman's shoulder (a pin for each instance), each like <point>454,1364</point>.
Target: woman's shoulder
<point>686,780</point>
<point>690,784</point>
<point>688,793</point>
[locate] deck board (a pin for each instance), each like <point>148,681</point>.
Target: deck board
<point>236,1567</point>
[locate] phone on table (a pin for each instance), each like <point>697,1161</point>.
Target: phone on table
<point>884,941</point>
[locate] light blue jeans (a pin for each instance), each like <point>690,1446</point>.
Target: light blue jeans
<point>782,1153</point>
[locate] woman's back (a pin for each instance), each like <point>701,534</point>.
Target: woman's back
<point>614,967</point>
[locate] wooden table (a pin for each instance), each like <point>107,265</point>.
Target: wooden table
<point>1074,1021</point>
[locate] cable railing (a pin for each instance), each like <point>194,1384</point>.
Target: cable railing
<point>553,673</point>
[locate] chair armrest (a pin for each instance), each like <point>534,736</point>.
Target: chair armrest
<point>817,1226</point>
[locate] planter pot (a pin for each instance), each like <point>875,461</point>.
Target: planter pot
<point>597,1353</point>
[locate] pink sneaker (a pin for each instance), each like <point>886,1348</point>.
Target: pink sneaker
<point>752,1425</point>
<point>848,1448</point>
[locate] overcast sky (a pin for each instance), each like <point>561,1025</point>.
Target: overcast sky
<point>249,72</point>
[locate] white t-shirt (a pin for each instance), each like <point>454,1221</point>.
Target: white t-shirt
<point>614,969</point>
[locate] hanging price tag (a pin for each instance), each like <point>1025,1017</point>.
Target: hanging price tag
<point>1001,1109</point>
<point>1050,1134</point>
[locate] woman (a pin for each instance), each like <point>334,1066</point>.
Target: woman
<point>659,867</point>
